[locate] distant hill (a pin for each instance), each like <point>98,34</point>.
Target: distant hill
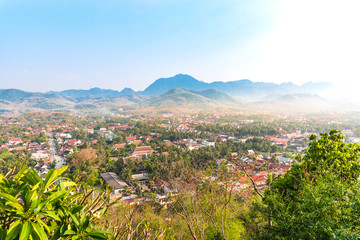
<point>240,88</point>
<point>180,98</point>
<point>127,91</point>
<point>93,93</point>
<point>163,85</point>
<point>179,91</point>
<point>216,95</point>
<point>13,95</point>
<point>92,100</point>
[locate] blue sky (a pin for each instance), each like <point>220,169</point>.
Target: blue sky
<point>56,45</point>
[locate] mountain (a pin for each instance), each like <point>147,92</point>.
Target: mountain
<point>215,95</point>
<point>127,91</point>
<point>13,95</point>
<point>93,93</point>
<point>192,99</point>
<point>179,91</point>
<point>163,85</point>
<point>240,88</point>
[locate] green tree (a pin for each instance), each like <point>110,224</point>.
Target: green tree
<point>318,198</point>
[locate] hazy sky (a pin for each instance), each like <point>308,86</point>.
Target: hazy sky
<point>61,44</point>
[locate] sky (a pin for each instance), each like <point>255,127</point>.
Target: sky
<point>66,44</point>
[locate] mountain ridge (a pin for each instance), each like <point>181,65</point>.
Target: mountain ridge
<point>179,90</point>
<point>237,88</point>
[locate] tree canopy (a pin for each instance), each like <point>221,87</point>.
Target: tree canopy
<point>318,198</point>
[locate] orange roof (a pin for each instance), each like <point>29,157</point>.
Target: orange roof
<point>119,145</point>
<point>19,148</point>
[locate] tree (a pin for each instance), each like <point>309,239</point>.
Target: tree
<point>208,208</point>
<point>84,165</point>
<point>318,198</point>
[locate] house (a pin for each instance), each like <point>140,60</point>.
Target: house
<point>118,145</point>
<point>4,145</point>
<point>114,181</point>
<point>137,142</point>
<point>142,177</point>
<point>142,151</point>
<point>40,155</point>
<point>74,142</point>
<point>207,144</point>
<point>89,130</point>
<point>64,135</point>
<point>15,141</point>
<point>130,139</point>
<point>19,148</point>
<point>259,180</point>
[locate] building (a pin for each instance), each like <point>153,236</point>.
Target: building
<point>114,181</point>
<point>142,177</point>
<point>142,151</point>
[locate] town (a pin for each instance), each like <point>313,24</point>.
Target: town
<point>138,154</point>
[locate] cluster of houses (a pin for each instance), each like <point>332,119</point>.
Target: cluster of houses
<point>39,151</point>
<point>254,169</point>
<point>251,169</point>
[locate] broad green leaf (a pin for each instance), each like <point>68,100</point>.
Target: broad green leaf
<point>12,201</point>
<point>34,203</point>
<point>40,231</point>
<point>9,197</point>
<point>76,209</point>
<point>36,186</point>
<point>35,175</point>
<point>34,236</point>
<point>51,214</point>
<point>52,174</point>
<point>54,196</point>
<point>56,234</point>
<point>14,230</point>
<point>25,231</point>
<point>69,232</point>
<point>46,227</point>
<point>98,234</point>
<point>66,184</point>
<point>62,169</point>
<point>75,219</point>
<point>20,173</point>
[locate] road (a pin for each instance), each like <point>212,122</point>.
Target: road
<point>60,161</point>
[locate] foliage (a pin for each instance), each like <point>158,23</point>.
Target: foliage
<point>84,165</point>
<point>9,159</point>
<point>54,208</point>
<point>209,208</point>
<point>318,198</point>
